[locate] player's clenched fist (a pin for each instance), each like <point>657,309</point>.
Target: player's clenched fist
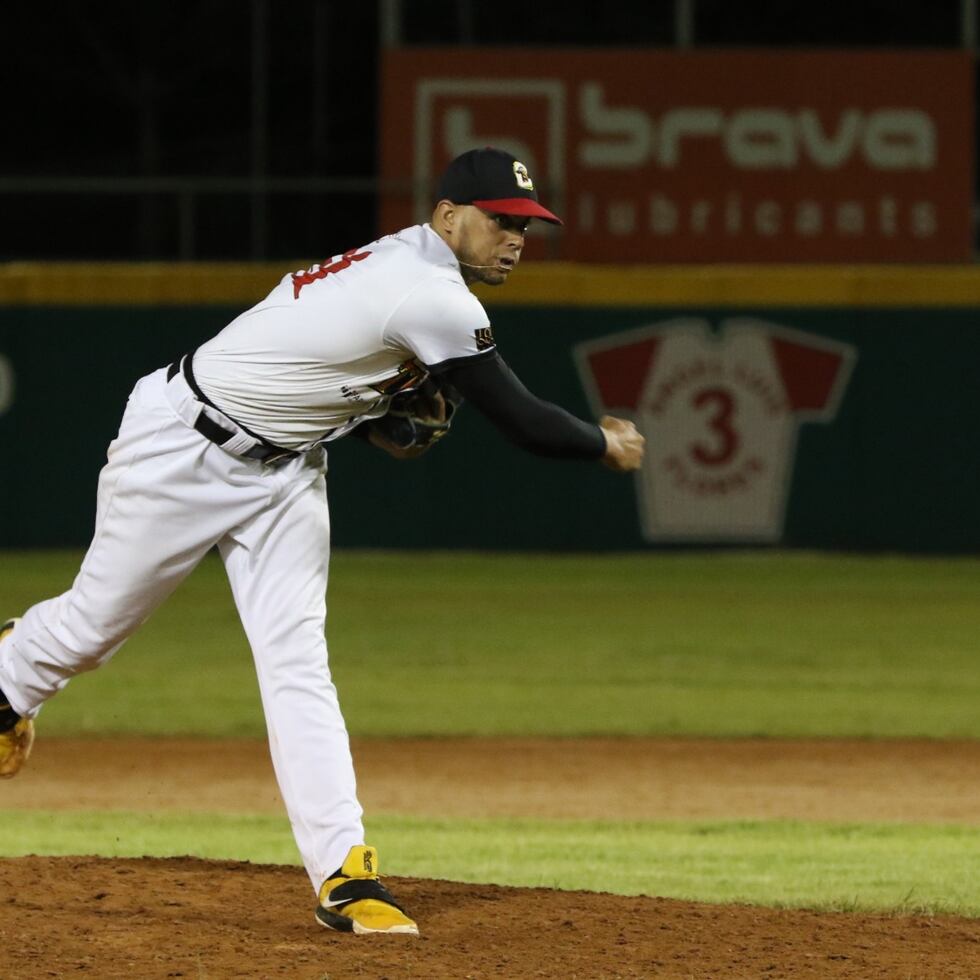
<point>624,444</point>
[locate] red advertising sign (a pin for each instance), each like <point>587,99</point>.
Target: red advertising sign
<point>654,156</point>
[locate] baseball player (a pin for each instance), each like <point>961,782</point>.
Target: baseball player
<point>226,447</point>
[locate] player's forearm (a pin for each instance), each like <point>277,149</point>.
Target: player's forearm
<point>539,426</point>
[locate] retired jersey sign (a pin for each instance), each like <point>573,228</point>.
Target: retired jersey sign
<point>700,156</point>
<point>720,411</point>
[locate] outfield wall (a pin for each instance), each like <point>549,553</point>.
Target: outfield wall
<point>801,406</point>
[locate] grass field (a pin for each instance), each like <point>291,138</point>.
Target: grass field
<point>838,867</point>
<point>726,644</point>
<point>713,644</point>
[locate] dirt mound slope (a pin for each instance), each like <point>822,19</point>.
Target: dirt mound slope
<point>205,920</point>
<point>185,917</point>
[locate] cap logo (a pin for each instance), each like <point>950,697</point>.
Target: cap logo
<point>522,177</point>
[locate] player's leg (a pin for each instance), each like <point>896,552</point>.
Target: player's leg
<point>277,566</point>
<point>142,547</point>
<point>162,503</point>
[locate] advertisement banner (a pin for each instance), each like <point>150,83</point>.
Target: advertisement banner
<point>738,156</point>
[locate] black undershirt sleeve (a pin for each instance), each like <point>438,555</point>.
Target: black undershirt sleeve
<point>539,426</point>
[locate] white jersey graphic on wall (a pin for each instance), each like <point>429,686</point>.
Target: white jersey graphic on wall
<point>720,412</point>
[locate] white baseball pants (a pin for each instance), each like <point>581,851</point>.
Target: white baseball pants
<point>166,497</point>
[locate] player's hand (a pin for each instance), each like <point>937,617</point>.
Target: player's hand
<point>624,444</point>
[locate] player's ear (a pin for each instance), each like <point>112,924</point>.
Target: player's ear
<point>445,217</point>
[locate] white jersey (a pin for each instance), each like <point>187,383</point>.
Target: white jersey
<point>327,348</point>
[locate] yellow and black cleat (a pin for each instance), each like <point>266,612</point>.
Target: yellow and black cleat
<point>15,747</point>
<point>354,900</point>
<point>16,733</point>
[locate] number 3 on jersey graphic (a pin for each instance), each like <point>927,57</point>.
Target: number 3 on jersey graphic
<point>720,412</point>
<point>721,403</point>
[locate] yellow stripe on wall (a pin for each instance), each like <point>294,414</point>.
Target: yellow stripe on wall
<point>739,285</point>
<point>538,283</point>
<point>138,283</point>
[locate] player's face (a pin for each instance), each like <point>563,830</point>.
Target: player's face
<point>489,245</point>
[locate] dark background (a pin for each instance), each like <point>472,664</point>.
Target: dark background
<point>247,130</point>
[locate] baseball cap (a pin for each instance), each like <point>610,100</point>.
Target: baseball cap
<point>493,180</point>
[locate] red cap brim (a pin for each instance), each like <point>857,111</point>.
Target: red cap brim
<point>522,206</point>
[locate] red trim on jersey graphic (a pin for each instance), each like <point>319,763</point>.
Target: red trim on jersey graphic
<point>620,372</point>
<point>808,374</point>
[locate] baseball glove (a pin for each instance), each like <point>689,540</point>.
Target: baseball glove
<point>416,420</point>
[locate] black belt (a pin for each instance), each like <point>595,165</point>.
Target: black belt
<point>264,452</point>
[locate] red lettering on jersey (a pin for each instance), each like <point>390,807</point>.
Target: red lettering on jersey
<point>301,279</point>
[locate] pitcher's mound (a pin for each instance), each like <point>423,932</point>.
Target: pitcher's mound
<point>185,917</point>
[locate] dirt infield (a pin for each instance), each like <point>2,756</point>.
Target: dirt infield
<point>184,917</point>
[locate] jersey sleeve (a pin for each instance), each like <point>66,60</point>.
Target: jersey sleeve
<point>442,323</point>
